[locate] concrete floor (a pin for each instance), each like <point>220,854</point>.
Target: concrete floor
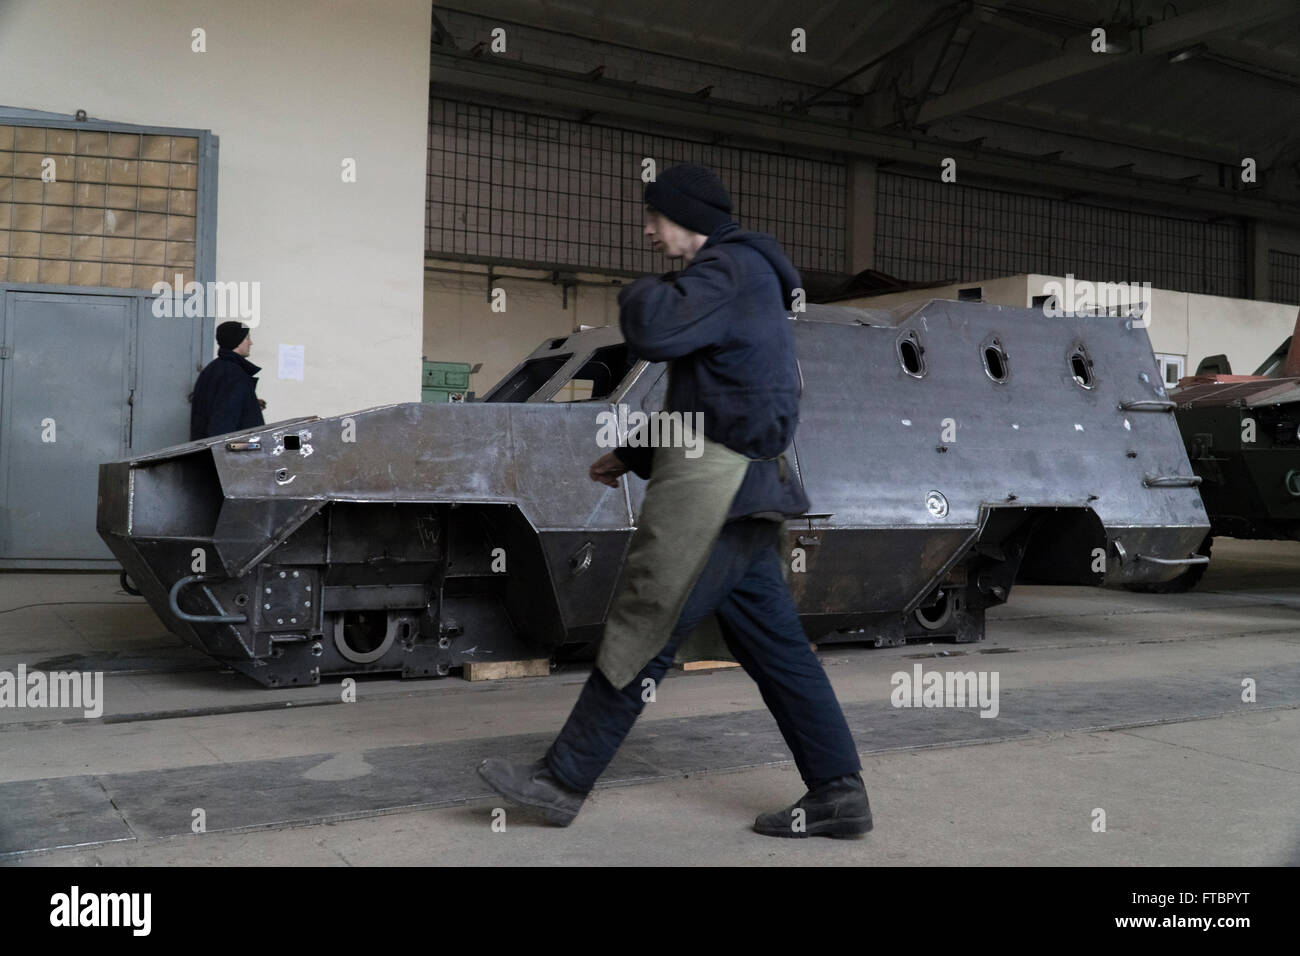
<point>1223,789</point>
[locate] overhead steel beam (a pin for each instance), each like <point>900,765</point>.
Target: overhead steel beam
<point>946,62</point>
<point>512,80</point>
<point>1257,54</point>
<point>853,37</point>
<point>1291,80</point>
<point>762,21</point>
<point>1018,22</point>
<point>945,16</point>
<point>1077,57</point>
<point>440,35</point>
<point>1108,132</point>
<point>618,29</point>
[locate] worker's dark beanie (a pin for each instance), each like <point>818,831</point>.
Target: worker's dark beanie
<point>691,196</point>
<point>230,334</point>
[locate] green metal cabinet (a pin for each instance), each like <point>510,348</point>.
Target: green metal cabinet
<point>444,381</point>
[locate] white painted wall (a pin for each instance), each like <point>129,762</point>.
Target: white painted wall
<point>291,87</point>
<point>1008,291</point>
<point>460,326</point>
<point>1247,332</point>
<point>1182,323</point>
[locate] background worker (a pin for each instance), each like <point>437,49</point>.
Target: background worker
<point>225,396</point>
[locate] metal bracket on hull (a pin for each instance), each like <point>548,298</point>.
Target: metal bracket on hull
<point>1193,559</point>
<point>1147,405</point>
<point>174,594</point>
<point>1171,481</point>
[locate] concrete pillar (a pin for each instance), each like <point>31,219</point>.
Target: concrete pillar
<point>1257,246</point>
<point>860,217</point>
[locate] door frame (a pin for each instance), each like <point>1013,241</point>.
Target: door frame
<point>205,255</point>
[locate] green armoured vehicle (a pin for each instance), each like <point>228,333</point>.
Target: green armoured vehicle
<point>1242,434</point>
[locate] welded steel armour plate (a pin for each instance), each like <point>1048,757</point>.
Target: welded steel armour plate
<point>948,453</point>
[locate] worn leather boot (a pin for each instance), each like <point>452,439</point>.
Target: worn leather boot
<point>533,785</point>
<point>838,808</point>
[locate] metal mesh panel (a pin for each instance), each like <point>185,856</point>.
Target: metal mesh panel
<point>1283,277</point>
<point>928,231</point>
<point>529,188</point>
<point>119,209</point>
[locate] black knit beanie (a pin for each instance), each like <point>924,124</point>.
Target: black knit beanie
<point>691,196</point>
<point>230,334</point>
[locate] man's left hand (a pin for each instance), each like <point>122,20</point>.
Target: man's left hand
<point>606,469</point>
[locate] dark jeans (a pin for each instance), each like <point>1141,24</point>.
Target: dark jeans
<point>743,584</point>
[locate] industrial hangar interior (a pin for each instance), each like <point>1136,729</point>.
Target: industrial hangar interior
<point>337,338</point>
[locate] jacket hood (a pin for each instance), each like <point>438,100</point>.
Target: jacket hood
<point>768,246</point>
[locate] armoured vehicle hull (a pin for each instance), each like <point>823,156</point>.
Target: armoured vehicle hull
<point>1242,434</point>
<point>948,453</point>
<point>1243,442</point>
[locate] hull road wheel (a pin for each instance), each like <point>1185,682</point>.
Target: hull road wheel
<point>127,584</point>
<point>937,615</point>
<point>1185,581</point>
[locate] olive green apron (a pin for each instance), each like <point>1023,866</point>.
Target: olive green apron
<point>686,504</point>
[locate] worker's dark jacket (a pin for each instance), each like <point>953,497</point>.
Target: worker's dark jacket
<point>722,323</point>
<point>225,397</point>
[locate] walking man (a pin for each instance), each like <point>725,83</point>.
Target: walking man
<point>709,535</point>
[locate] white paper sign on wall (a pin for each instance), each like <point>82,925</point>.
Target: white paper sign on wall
<point>291,362</point>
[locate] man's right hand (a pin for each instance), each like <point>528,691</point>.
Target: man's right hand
<point>606,469</point>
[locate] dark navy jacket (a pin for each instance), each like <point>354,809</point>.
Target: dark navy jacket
<point>722,323</point>
<point>225,397</point>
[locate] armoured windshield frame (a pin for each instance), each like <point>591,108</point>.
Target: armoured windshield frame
<point>599,356</point>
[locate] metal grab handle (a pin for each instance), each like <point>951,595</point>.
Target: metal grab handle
<point>200,618</point>
<point>1171,481</point>
<point>1147,405</point>
<point>1194,559</point>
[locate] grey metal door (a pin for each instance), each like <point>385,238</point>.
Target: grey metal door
<point>168,355</point>
<point>64,407</point>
